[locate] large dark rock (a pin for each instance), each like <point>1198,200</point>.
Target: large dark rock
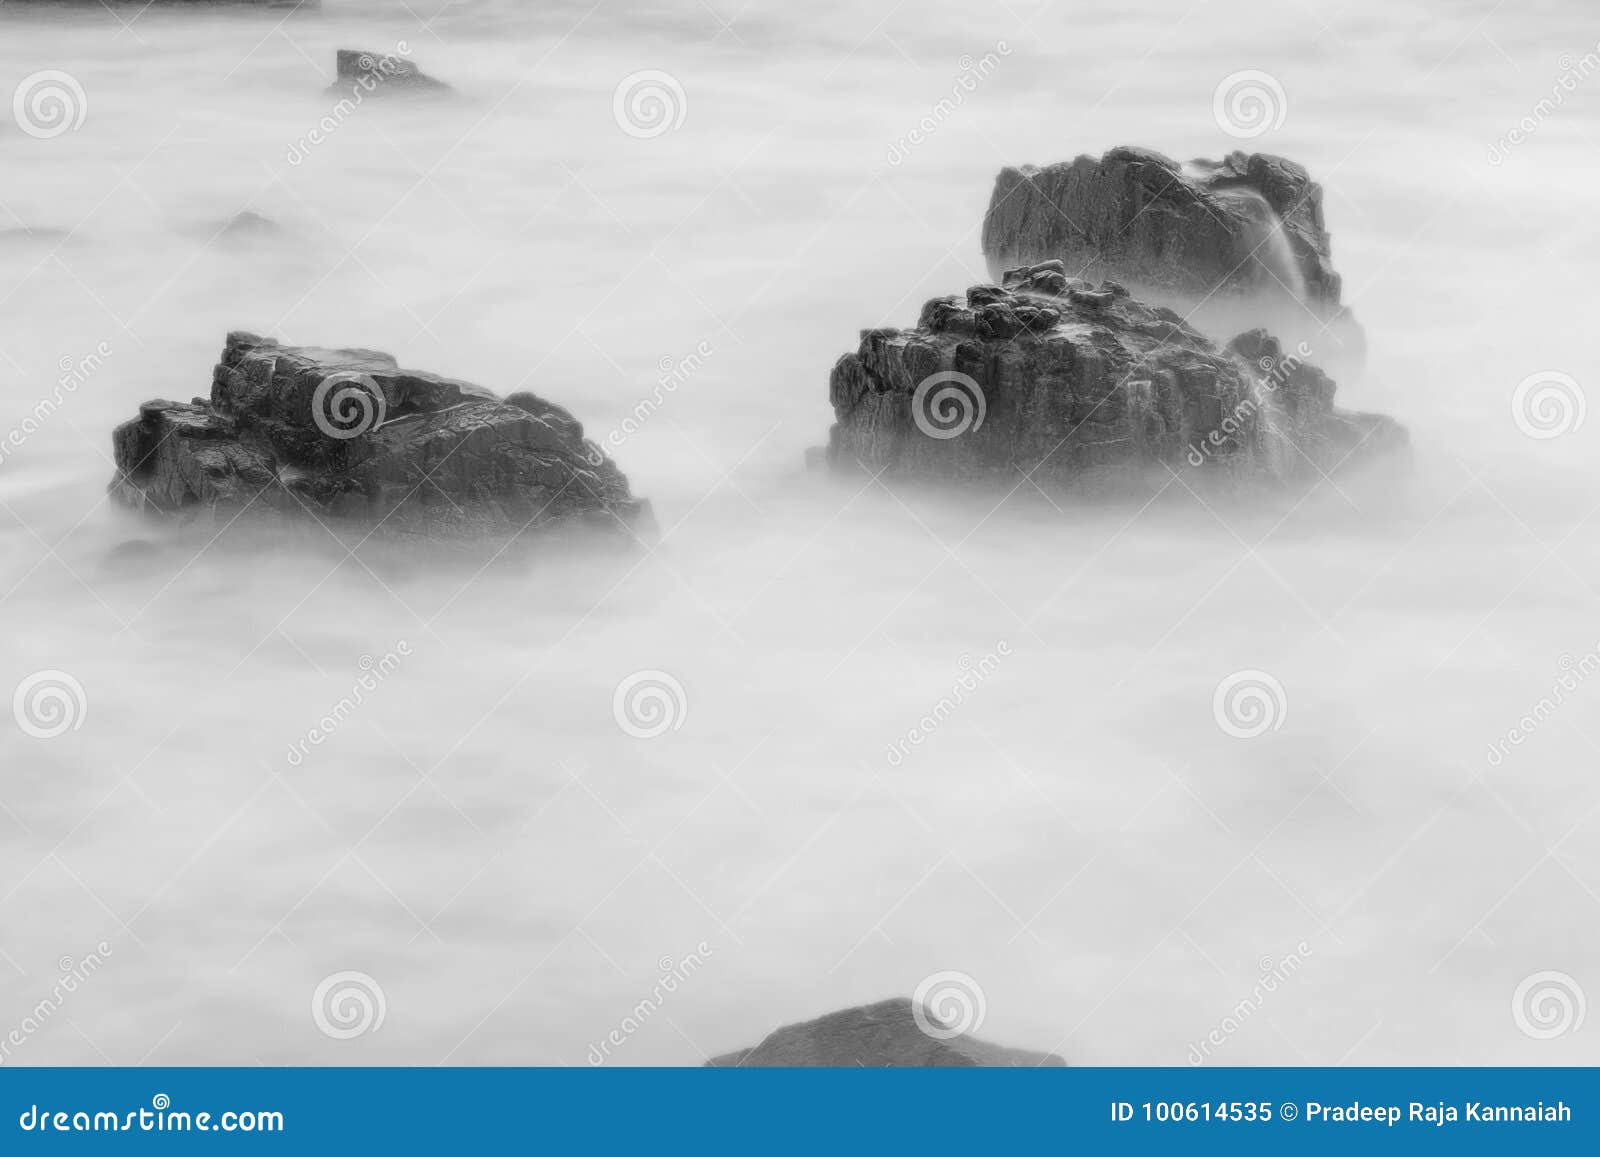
<point>1088,390</point>
<point>347,435</point>
<point>875,1035</point>
<point>1198,236</point>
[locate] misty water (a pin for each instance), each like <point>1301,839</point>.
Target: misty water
<point>1079,835</point>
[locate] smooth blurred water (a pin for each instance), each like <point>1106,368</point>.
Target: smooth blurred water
<point>1080,837</point>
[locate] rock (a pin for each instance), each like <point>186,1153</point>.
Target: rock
<point>1201,234</point>
<point>248,225</point>
<point>1113,396</point>
<point>378,72</point>
<point>347,435</point>
<point>876,1035</point>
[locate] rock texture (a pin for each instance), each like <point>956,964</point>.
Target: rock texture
<point>877,1035</point>
<point>1144,219</point>
<point>378,72</point>
<point>347,435</point>
<point>1088,389</point>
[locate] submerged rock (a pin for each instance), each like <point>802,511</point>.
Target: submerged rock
<point>1204,233</point>
<point>248,225</point>
<point>376,72</point>
<point>887,1033</point>
<point>1088,390</point>
<point>347,435</point>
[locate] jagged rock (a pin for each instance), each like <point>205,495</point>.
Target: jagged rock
<point>875,1035</point>
<point>345,434</point>
<point>1200,234</point>
<point>1088,391</point>
<point>378,72</point>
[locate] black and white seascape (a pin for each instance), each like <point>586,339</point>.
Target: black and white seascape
<point>622,533</point>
